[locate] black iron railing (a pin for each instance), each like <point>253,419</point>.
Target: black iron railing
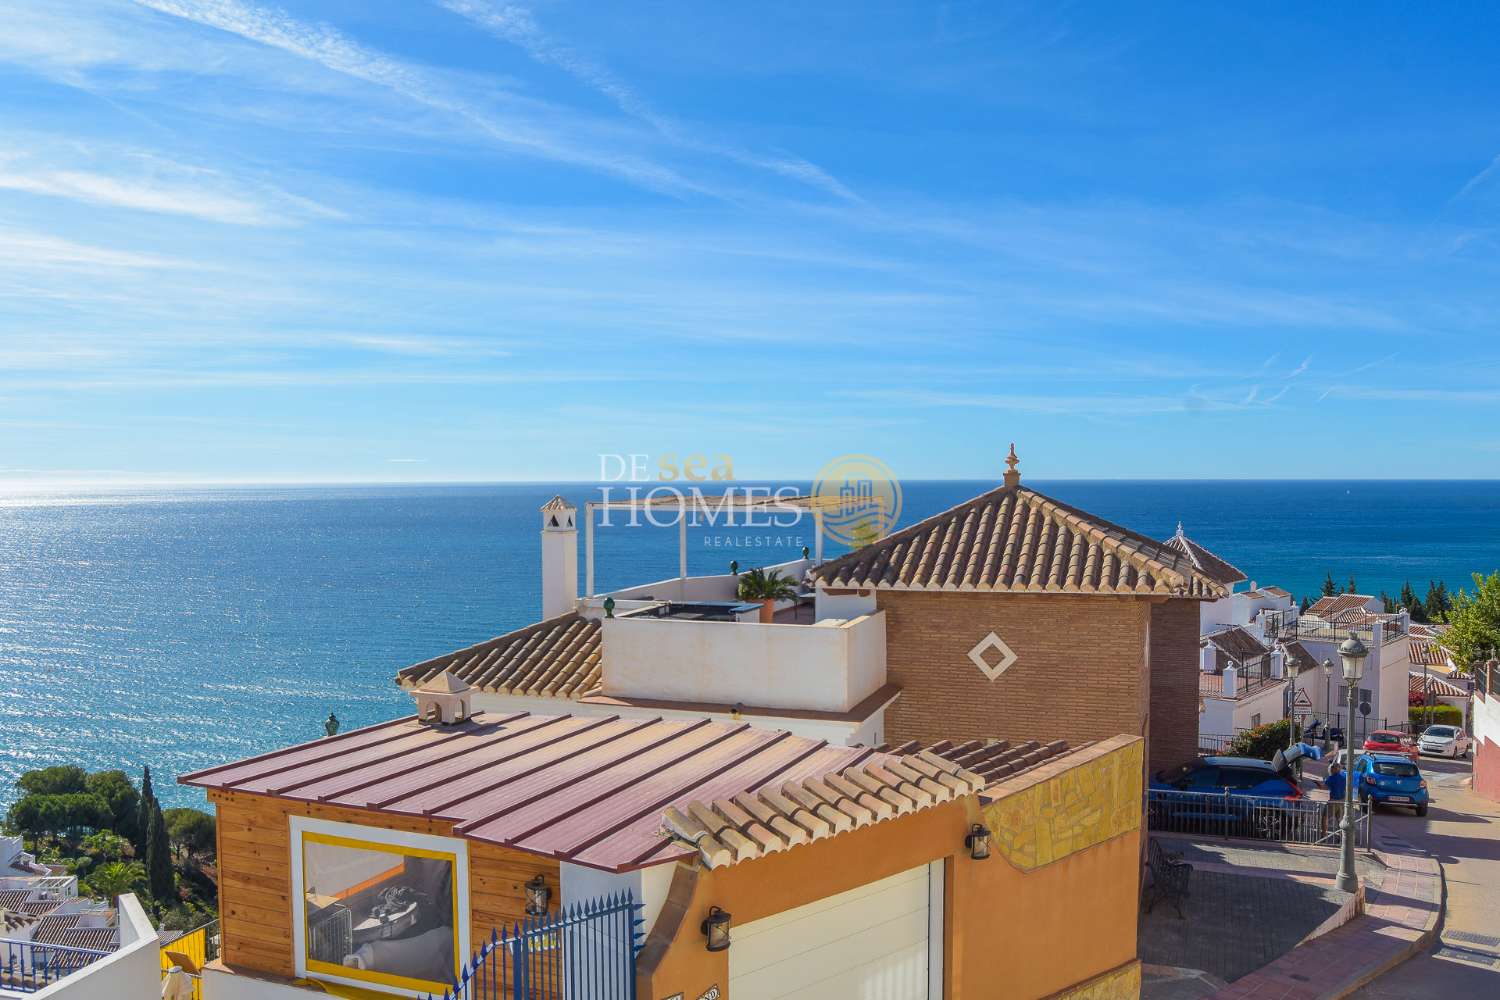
<point>585,950</point>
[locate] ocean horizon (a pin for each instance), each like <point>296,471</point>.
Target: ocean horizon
<point>186,626</point>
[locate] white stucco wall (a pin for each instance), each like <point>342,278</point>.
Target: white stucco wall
<point>826,605</point>
<point>219,984</point>
<point>830,666</point>
<point>133,972</point>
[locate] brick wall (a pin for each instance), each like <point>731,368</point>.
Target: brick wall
<point>1079,674</point>
<point>1174,683</point>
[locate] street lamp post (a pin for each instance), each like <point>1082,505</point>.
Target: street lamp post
<point>1328,690</point>
<point>1288,696</point>
<point>1353,653</point>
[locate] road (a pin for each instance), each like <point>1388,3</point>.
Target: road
<point>1462,831</point>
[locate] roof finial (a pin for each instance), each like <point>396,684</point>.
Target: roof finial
<point>1179,529</point>
<point>1012,474</point>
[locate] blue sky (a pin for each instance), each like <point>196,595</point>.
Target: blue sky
<point>475,240</point>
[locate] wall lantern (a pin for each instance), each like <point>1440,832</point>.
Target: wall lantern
<point>978,842</point>
<point>716,929</point>
<point>538,897</point>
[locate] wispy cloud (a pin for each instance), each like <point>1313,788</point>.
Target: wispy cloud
<point>327,47</point>
<point>40,251</point>
<point>515,23</point>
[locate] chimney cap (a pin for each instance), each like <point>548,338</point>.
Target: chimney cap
<point>443,700</point>
<point>444,683</point>
<point>558,503</point>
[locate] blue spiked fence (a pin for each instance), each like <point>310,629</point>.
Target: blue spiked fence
<point>586,951</point>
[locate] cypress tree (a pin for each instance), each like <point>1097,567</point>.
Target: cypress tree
<point>1328,586</point>
<point>143,814</point>
<point>1305,604</point>
<point>1437,603</point>
<point>161,881</point>
<point>1408,596</point>
<point>1353,587</point>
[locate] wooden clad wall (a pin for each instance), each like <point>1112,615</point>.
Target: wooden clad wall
<point>255,876</point>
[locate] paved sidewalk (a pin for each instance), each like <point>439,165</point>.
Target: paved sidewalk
<point>1250,903</point>
<point>1462,831</point>
<point>1400,920</point>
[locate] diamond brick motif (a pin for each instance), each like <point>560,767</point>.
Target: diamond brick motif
<point>981,655</point>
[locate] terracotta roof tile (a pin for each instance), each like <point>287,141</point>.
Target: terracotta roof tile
<point>1429,653</point>
<point>1338,604</point>
<point>1220,570</point>
<point>1015,540</point>
<point>12,921</point>
<point>50,929</point>
<point>1416,683</point>
<point>745,826</point>
<point>556,658</point>
<point>1236,643</point>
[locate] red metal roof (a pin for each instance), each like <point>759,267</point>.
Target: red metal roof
<point>587,789</point>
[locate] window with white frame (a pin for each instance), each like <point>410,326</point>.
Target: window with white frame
<point>378,908</point>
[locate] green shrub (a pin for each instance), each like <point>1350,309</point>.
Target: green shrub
<point>1261,742</point>
<point>1436,715</point>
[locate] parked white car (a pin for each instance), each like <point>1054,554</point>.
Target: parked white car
<point>1445,741</point>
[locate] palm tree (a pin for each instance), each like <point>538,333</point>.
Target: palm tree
<point>767,588</point>
<point>116,878</point>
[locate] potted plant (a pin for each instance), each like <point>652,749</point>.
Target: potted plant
<point>767,588</point>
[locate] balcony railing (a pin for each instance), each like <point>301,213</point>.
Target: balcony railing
<point>1317,629</point>
<point>26,966</point>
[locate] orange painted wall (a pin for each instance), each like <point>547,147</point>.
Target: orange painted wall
<point>1011,934</point>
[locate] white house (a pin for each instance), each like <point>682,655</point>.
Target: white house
<point>55,943</point>
<point>1312,641</point>
<point>1241,684</point>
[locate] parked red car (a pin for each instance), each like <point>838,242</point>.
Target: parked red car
<point>1390,741</point>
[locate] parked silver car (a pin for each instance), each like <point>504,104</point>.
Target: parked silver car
<point>1445,741</point>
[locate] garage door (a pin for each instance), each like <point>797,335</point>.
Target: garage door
<point>882,941</point>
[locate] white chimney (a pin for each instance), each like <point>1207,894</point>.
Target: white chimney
<point>1278,662</point>
<point>443,701</point>
<point>559,557</point>
<point>1208,660</point>
<point>1231,681</point>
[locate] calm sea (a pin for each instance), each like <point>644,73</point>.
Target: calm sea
<point>184,628</point>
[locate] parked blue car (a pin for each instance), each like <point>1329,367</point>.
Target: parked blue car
<point>1227,791</point>
<point>1390,779</point>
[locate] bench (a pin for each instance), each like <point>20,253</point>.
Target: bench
<point>1169,877</point>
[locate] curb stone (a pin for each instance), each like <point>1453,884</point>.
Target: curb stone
<point>1399,920</point>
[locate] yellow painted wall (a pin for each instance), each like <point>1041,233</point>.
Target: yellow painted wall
<point>1029,922</point>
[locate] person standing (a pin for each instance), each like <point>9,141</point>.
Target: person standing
<point>1335,784</point>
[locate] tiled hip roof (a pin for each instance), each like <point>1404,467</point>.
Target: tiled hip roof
<point>1237,643</point>
<point>1015,540</point>
<point>1221,570</point>
<point>557,658</point>
<point>1428,652</point>
<point>1417,683</point>
<point>1337,604</point>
